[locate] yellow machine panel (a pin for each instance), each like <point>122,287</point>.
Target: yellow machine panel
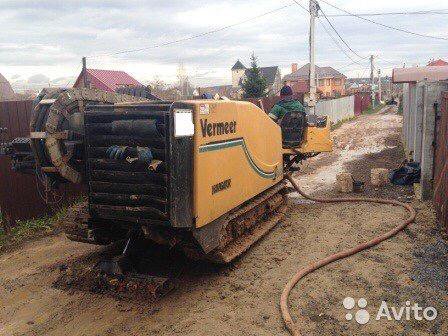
<point>315,140</point>
<point>237,155</point>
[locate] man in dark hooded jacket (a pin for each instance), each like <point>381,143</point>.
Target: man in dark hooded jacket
<point>286,104</point>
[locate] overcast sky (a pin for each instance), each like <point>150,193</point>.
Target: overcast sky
<point>45,39</point>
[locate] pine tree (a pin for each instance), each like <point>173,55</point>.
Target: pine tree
<point>254,85</point>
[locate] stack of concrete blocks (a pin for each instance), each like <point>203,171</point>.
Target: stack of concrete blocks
<point>379,177</point>
<point>344,183</point>
<point>421,103</point>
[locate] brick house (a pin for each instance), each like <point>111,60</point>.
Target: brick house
<point>330,82</point>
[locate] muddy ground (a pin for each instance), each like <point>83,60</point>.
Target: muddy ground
<point>242,299</point>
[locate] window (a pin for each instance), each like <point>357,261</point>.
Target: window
<point>321,82</point>
<point>337,81</point>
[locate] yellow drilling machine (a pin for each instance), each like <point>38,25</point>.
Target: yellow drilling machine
<point>203,176</point>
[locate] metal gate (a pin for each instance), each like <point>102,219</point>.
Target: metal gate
<point>19,197</point>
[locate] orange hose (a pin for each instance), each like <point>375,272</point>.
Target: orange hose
<point>286,315</point>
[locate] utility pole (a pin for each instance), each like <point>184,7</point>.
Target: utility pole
<point>372,81</point>
<point>84,72</point>
<point>314,8</point>
<point>379,85</point>
<point>391,93</point>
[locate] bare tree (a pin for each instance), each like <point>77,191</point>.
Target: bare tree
<point>183,82</point>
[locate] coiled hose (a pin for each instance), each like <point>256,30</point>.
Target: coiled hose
<point>286,315</point>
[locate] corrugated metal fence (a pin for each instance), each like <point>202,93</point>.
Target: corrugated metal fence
<point>441,163</point>
<point>337,109</point>
<point>266,103</point>
<point>362,102</point>
<point>19,197</point>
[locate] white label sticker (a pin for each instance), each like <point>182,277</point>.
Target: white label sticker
<point>183,123</point>
<point>204,109</point>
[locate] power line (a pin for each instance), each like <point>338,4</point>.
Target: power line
<point>428,12</point>
<point>350,64</point>
<point>384,25</point>
<point>364,71</point>
<point>73,79</point>
<point>336,42</point>
<point>325,28</point>
<point>386,61</point>
<point>341,38</point>
<point>339,35</point>
<point>300,5</point>
<point>193,36</point>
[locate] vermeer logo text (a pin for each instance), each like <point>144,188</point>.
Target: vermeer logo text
<point>217,128</point>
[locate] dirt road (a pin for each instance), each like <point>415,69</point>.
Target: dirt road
<point>242,299</point>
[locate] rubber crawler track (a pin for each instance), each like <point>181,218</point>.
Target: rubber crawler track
<point>286,315</point>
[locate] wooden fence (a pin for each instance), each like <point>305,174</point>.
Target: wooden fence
<point>19,197</point>
<point>441,163</point>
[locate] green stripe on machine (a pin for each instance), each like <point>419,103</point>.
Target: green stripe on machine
<point>235,143</point>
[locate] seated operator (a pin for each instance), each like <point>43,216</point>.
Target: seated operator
<point>286,104</point>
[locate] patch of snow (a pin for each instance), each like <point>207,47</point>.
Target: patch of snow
<point>353,140</point>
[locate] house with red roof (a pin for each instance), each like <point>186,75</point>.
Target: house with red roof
<point>107,80</point>
<point>439,62</point>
